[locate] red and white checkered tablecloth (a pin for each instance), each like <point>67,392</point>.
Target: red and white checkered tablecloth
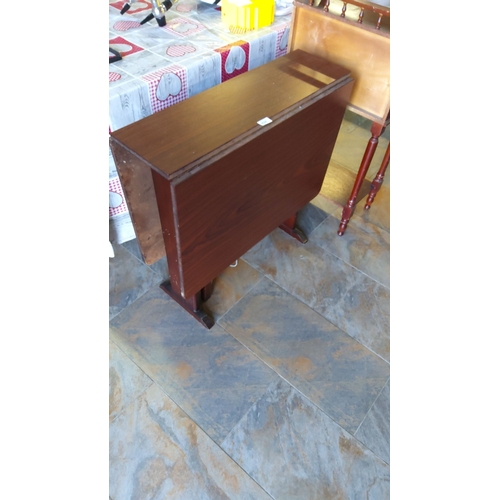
<point>167,86</point>
<point>117,203</point>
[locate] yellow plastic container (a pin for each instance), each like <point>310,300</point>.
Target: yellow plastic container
<point>247,14</point>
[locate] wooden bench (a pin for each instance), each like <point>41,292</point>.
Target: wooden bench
<point>356,35</point>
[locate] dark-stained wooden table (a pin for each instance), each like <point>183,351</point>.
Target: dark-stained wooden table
<point>208,178</point>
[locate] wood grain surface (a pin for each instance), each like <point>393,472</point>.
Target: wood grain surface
<point>223,182</point>
<point>363,50</point>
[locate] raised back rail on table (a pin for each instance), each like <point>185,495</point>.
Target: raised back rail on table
<point>359,47</point>
<point>379,10</point>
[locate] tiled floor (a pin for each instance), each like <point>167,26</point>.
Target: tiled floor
<point>287,396</point>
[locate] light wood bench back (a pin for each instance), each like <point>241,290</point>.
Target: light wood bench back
<point>362,49</point>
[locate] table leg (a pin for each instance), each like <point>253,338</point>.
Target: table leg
<point>193,304</point>
<point>377,130</point>
<point>290,227</point>
<point>172,287</point>
<point>206,292</point>
<point>379,178</point>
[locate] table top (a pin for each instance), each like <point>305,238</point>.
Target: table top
<point>183,137</point>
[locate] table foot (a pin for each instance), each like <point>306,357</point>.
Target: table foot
<point>192,305</point>
<point>296,233</point>
<point>290,227</point>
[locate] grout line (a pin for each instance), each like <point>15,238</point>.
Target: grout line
<point>288,382</point>
<point>373,404</point>
<point>136,365</point>
<point>139,259</point>
<point>359,270</point>
<point>198,426</point>
<point>365,417</point>
<point>261,276</point>
<point>154,284</point>
<point>326,319</point>
<point>327,250</point>
<point>300,299</point>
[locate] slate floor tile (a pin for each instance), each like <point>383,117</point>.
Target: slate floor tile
<point>364,246</point>
<point>158,452</point>
<point>230,287</point>
<point>310,217</point>
<point>326,204</point>
<point>295,452</point>
<point>379,213</point>
<point>374,431</point>
<point>348,298</point>
<point>128,279</point>
<point>160,267</point>
<point>208,373</point>
<point>328,366</point>
<point>126,381</point>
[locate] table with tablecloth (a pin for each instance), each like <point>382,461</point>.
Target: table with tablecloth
<point>162,66</point>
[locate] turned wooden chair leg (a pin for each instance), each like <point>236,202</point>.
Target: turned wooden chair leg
<point>377,130</point>
<point>379,178</point>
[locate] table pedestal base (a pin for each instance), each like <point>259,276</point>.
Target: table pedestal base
<point>193,304</point>
<point>290,227</point>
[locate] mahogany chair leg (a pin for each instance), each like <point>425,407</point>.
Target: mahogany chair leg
<point>290,227</point>
<point>193,304</point>
<point>377,130</point>
<point>379,178</point>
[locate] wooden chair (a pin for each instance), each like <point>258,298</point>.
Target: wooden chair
<point>358,39</point>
